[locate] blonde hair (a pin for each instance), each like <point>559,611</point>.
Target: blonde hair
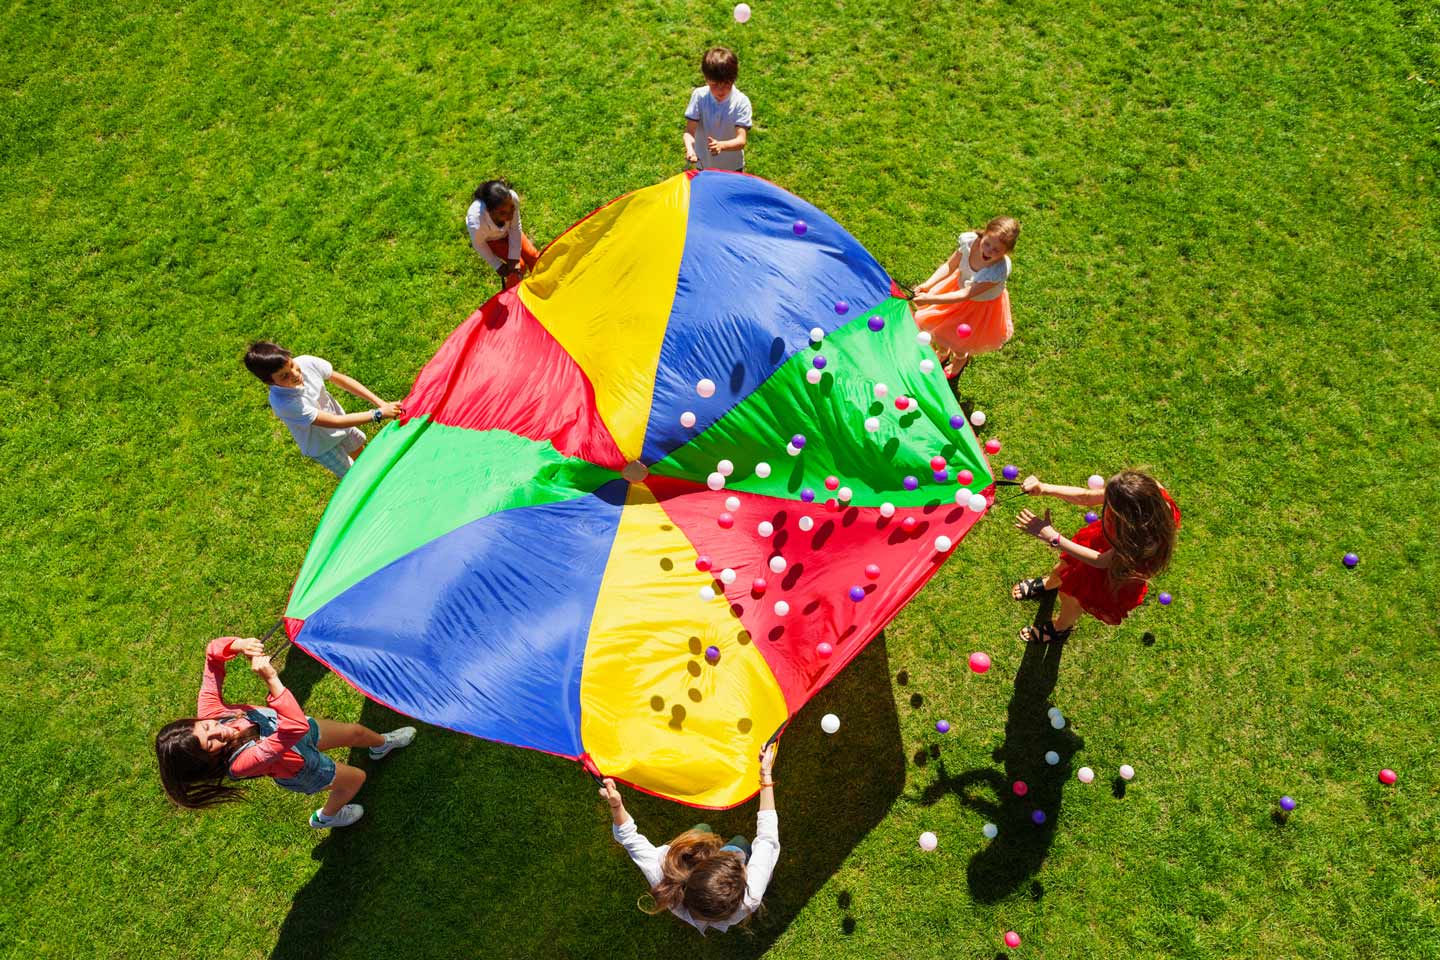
<point>710,884</point>
<point>1004,229</point>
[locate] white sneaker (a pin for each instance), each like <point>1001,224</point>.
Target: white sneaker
<point>394,740</point>
<point>348,814</point>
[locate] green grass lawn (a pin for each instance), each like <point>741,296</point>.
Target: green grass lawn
<point>1229,273</point>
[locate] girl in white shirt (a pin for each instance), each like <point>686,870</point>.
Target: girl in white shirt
<point>703,880</point>
<point>493,222</point>
<point>964,305</point>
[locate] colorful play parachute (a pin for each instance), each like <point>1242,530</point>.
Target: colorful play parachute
<point>539,555</point>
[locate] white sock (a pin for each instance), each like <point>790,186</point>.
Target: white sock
<point>320,815</point>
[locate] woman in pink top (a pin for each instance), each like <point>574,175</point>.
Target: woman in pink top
<point>226,741</point>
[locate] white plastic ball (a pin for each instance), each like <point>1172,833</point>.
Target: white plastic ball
<point>813,376</point>
<point>1085,775</point>
<point>765,529</point>
<point>807,523</point>
<point>725,468</point>
<point>844,493</point>
<point>762,469</point>
<point>687,419</point>
<point>977,418</point>
<point>872,424</point>
<point>1058,722</point>
<point>816,334</point>
<point>1053,712</point>
<point>942,543</point>
<point>977,502</point>
<point>990,831</point>
<point>732,504</point>
<point>928,841</point>
<point>781,608</point>
<point>1096,482</point>
<point>791,449</point>
<point>716,481</point>
<point>881,391</point>
<point>887,509</point>
<point>1127,772</point>
<point>706,387</point>
<point>927,365</point>
<point>742,13</point>
<point>1051,757</point>
<point>777,564</point>
<point>707,592</point>
<point>829,723</point>
<point>962,497</point>
<point>727,575</point>
<point>923,338</point>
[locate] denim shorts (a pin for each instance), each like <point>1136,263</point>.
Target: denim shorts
<point>319,770</point>
<point>337,459</point>
<point>739,844</point>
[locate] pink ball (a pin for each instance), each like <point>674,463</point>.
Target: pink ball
<point>992,447</point>
<point>832,483</point>
<point>1012,939</point>
<point>937,463</point>
<point>1020,788</point>
<point>965,477</point>
<point>824,649</point>
<point>759,586</point>
<point>901,403</point>
<point>963,330</point>
<point>725,520</point>
<point>979,661</point>
<point>872,570</point>
<point>909,524</point>
<point>702,564</point>
<point>1387,776</point>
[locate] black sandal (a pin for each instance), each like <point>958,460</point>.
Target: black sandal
<point>1032,589</point>
<point>1044,633</point>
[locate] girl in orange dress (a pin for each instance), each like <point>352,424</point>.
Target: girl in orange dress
<point>1105,569</point>
<point>964,305</point>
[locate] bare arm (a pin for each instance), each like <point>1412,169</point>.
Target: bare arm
<point>742,137</point>
<point>1040,528</point>
<point>689,138</point>
<point>1079,496</point>
<point>336,421</point>
<point>966,292</point>
<point>941,272</point>
<point>767,778</point>
<point>352,386</point>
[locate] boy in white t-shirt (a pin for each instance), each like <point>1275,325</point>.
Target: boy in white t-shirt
<point>323,430</point>
<point>718,116</point>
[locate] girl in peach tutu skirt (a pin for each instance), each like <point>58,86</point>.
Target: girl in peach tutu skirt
<point>964,305</point>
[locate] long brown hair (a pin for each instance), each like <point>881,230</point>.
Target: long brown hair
<point>1140,525</point>
<point>193,777</point>
<point>708,883</point>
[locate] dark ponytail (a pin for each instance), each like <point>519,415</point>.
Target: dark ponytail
<point>192,777</point>
<point>493,193</point>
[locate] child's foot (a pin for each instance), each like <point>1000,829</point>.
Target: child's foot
<point>1045,633</point>
<point>1031,589</point>
<point>394,740</point>
<point>954,365</point>
<point>345,816</point>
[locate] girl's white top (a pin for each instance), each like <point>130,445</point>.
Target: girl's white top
<point>763,854</point>
<point>483,230</point>
<point>996,273</point>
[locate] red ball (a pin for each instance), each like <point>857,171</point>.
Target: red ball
<point>901,403</point>
<point>1387,776</point>
<point>963,330</point>
<point>1012,939</point>
<point>992,447</point>
<point>1020,788</point>
<point>909,524</point>
<point>759,585</point>
<point>872,570</point>
<point>824,649</point>
<point>832,505</point>
<point>832,483</point>
<point>965,477</point>
<point>702,564</point>
<point>725,520</point>
<point>937,463</point>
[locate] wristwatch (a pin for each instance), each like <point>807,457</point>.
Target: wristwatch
<point>377,415</point>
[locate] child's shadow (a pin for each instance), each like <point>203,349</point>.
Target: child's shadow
<point>1006,862</point>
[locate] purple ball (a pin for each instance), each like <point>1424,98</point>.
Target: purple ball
<point>1287,804</point>
<point>798,441</point>
<point>1038,816</point>
<point>956,422</point>
<point>807,495</point>
<point>1350,559</point>
<point>818,362</point>
<point>800,227</point>
<point>1091,516</point>
<point>1011,471</point>
<point>877,324</point>
<point>857,594</point>
<point>712,654</point>
<point>1165,599</point>
<point>911,483</point>
<point>942,726</point>
<point>942,476</point>
<point>841,307</point>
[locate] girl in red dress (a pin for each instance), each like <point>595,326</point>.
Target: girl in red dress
<point>1104,570</point>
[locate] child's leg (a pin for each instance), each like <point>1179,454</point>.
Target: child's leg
<point>334,734</point>
<point>740,845</point>
<point>1070,611</point>
<point>348,781</point>
<point>528,253</point>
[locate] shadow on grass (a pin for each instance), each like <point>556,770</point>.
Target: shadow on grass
<point>1004,864</point>
<point>472,848</point>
